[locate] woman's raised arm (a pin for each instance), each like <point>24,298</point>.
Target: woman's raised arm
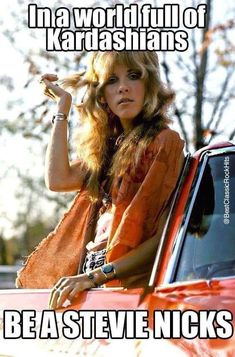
<point>60,174</point>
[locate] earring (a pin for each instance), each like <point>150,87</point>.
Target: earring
<point>102,100</point>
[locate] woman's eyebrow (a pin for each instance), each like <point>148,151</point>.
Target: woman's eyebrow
<point>129,70</point>
<point>133,69</point>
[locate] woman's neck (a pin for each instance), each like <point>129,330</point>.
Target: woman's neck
<point>126,125</point>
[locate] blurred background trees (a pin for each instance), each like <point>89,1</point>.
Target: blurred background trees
<point>205,88</point>
<point>203,78</point>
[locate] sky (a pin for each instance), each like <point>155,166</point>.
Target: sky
<point>17,151</point>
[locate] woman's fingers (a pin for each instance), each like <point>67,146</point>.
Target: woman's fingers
<point>50,89</point>
<point>68,288</point>
<point>53,299</point>
<point>55,292</point>
<point>49,77</point>
<point>61,291</point>
<point>63,296</point>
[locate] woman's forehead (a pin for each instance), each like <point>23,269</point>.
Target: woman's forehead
<point>106,63</point>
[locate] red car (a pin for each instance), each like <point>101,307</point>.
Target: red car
<point>188,307</point>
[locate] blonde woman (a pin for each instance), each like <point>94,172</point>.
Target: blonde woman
<point>128,164</point>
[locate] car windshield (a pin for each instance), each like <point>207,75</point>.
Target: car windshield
<point>209,243</point>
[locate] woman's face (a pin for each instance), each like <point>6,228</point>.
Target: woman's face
<point>124,93</point>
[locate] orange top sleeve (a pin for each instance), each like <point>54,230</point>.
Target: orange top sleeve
<point>139,203</point>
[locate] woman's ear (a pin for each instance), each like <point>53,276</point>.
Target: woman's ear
<point>102,100</point>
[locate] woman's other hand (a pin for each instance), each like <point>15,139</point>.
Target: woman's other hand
<point>55,92</point>
<point>68,288</point>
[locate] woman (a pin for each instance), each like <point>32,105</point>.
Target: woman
<point>128,163</point>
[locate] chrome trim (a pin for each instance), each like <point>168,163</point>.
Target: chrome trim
<point>215,152</point>
<point>223,278</point>
<point>222,151</point>
<point>232,141</point>
<point>187,161</point>
<point>181,236</point>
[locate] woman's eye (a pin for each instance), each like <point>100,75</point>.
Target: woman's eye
<point>135,75</point>
<point>111,80</point>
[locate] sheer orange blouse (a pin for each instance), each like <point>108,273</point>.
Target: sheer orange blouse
<point>137,205</point>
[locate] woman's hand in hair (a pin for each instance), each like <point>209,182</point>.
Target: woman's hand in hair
<point>55,92</point>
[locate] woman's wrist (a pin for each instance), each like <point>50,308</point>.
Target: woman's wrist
<point>96,277</point>
<point>64,104</point>
<point>102,275</point>
<point>59,116</point>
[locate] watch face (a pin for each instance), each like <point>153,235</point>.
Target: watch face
<point>107,268</point>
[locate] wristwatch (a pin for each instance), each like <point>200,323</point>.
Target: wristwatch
<point>109,271</point>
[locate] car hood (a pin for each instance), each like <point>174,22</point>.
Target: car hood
<point>209,295</point>
<point>216,294</point>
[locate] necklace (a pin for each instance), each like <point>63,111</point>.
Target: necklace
<point>119,139</point>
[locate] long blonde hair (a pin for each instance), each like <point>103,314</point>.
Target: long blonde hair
<point>98,123</point>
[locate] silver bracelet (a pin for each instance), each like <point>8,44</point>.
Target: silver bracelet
<point>91,276</point>
<point>59,117</point>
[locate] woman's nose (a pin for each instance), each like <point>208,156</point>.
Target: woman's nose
<point>123,87</point>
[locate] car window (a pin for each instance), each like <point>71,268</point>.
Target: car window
<point>208,250</point>
<point>8,275</point>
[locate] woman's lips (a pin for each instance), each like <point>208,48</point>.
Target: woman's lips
<point>125,101</point>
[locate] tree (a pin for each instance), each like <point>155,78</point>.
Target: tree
<point>202,104</point>
<point>3,251</point>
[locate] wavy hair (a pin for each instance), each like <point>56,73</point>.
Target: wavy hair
<point>98,123</point>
